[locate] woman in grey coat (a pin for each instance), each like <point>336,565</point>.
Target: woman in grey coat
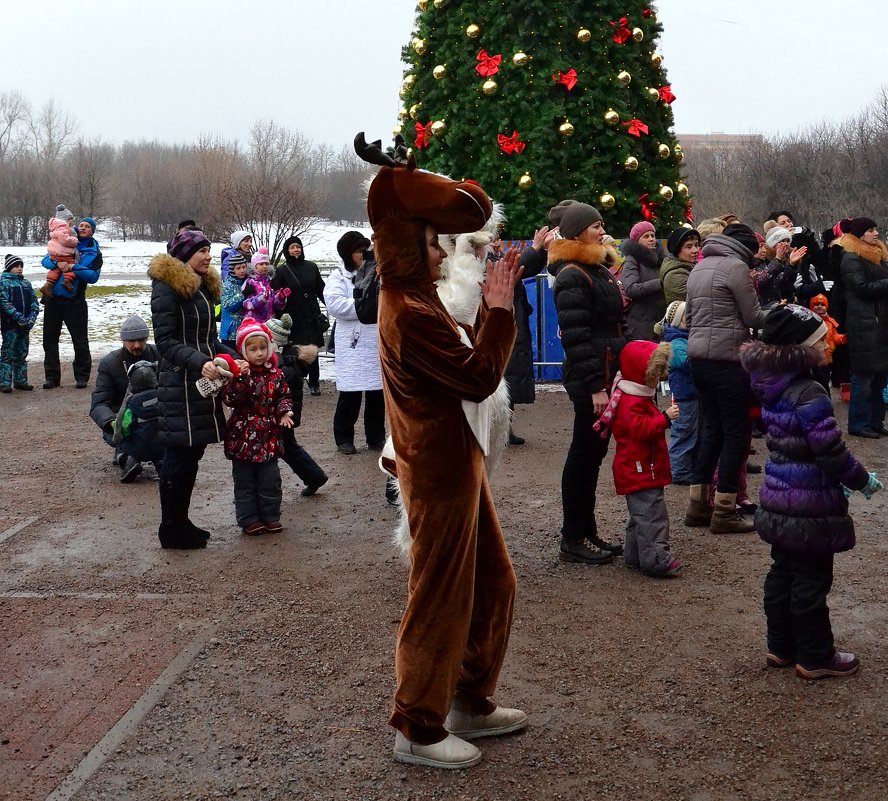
<point>640,277</point>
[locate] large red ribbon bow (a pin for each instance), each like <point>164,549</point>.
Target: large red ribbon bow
<point>622,32</point>
<point>489,65</point>
<point>510,144</point>
<point>423,135</point>
<point>635,128</point>
<point>568,79</point>
<point>666,94</point>
<point>647,207</point>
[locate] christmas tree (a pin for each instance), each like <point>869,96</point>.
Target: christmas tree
<point>540,101</point>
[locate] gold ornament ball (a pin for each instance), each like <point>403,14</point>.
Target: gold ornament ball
<point>489,87</point>
<point>396,131</point>
<point>631,163</point>
<point>440,3</point>
<point>423,4</point>
<point>637,34</point>
<point>525,182</point>
<point>584,35</point>
<point>679,157</point>
<point>653,94</point>
<point>439,72</point>
<point>607,200</point>
<point>657,60</point>
<point>438,127</point>
<point>663,151</point>
<point>566,129</point>
<point>414,110</point>
<point>666,192</point>
<point>403,114</point>
<point>419,46</point>
<point>678,149</point>
<point>520,59</point>
<point>682,189</point>
<point>611,117</point>
<point>473,31</point>
<point>408,81</point>
<point>624,78</point>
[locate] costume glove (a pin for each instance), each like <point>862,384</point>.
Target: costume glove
<point>828,285</point>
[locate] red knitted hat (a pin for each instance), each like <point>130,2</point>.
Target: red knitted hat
<point>251,328</point>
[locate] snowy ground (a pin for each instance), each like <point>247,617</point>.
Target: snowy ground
<point>125,289</point>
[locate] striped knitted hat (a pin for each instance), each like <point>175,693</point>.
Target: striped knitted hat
<point>11,261</point>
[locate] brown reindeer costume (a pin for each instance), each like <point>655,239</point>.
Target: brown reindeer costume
<point>455,628</point>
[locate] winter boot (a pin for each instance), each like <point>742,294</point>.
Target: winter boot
<point>187,488</point>
<point>173,531</point>
<point>699,514</point>
<point>727,519</point>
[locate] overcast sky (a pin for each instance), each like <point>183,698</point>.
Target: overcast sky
<point>176,69</point>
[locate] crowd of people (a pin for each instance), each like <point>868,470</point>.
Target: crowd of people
<point>681,348</point>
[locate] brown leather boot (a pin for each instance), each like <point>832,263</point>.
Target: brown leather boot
<point>699,513</point>
<point>727,519</point>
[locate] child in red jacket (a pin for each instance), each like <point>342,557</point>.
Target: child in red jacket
<point>641,461</point>
<point>261,406</point>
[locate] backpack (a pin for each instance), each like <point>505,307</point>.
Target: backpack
<point>366,292</point>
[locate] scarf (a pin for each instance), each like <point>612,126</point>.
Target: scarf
<point>620,387</point>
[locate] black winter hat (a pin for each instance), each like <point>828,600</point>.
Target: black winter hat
<point>859,226</point>
<point>348,243</point>
<point>11,261</point>
<point>572,217</point>
<point>792,325</point>
<point>744,235</point>
<point>678,237</point>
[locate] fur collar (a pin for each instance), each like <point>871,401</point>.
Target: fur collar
<point>570,250</point>
<point>646,257</point>
<point>873,253</point>
<point>179,277</point>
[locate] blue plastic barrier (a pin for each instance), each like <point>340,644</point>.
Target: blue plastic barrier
<point>547,351</point>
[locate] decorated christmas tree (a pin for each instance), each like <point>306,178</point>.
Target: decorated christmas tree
<point>540,101</point>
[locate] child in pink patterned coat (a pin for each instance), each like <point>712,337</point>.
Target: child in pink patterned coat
<point>261,302</point>
<point>261,405</point>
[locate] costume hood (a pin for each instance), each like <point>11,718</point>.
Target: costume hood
<point>402,200</point>
<point>641,359</point>
<point>179,277</point>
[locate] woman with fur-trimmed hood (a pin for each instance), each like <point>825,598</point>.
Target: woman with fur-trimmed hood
<point>864,269</point>
<point>590,318</point>
<point>184,292</point>
<point>640,276</point>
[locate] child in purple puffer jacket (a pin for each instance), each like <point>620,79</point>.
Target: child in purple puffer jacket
<point>261,302</point>
<point>803,508</point>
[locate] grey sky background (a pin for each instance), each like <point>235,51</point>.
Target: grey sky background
<point>175,69</point>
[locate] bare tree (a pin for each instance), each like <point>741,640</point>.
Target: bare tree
<point>14,113</point>
<point>51,131</point>
<point>89,168</point>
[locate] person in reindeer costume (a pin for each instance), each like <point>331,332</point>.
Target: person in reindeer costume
<point>455,628</point>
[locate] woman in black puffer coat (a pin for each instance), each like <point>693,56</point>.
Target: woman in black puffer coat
<point>184,292</point>
<point>303,278</point>
<point>641,281</point>
<point>590,317</point>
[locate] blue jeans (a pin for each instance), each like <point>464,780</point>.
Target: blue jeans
<point>683,434</point>
<point>867,407</point>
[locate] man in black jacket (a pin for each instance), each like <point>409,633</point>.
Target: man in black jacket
<point>111,386</point>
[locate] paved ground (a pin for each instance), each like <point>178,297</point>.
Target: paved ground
<point>262,668</point>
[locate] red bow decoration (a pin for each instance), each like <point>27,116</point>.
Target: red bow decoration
<point>647,12</point>
<point>635,128</point>
<point>423,135</point>
<point>647,207</point>
<point>489,64</point>
<point>510,144</point>
<point>568,79</point>
<point>689,213</point>
<point>622,33</point>
<point>666,94</point>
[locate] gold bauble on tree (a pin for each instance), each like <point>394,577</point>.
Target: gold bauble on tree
<point>566,129</point>
<point>520,59</point>
<point>607,200</point>
<point>679,157</point>
<point>489,87</point>
<point>652,93</point>
<point>414,110</point>
<point>423,4</point>
<point>584,35</point>
<point>666,192</point>
<point>473,31</point>
<point>631,163</point>
<point>682,189</point>
<point>438,127</point>
<point>440,3</point>
<point>663,151</point>
<point>419,46</point>
<point>611,117</point>
<point>396,131</point>
<point>624,78</point>
<point>657,60</point>
<point>525,182</point>
<point>637,34</point>
<point>403,114</point>
<point>678,149</point>
<point>439,72</point>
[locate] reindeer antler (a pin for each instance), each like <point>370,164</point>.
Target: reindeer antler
<point>372,153</point>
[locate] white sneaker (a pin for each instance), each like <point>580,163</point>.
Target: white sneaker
<point>451,753</point>
<point>470,727</point>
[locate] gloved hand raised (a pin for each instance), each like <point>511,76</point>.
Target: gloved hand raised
<point>872,486</point>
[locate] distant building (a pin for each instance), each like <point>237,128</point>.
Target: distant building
<point>717,141</point>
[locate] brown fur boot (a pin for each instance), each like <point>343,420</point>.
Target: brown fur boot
<point>726,519</point>
<point>699,513</point>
